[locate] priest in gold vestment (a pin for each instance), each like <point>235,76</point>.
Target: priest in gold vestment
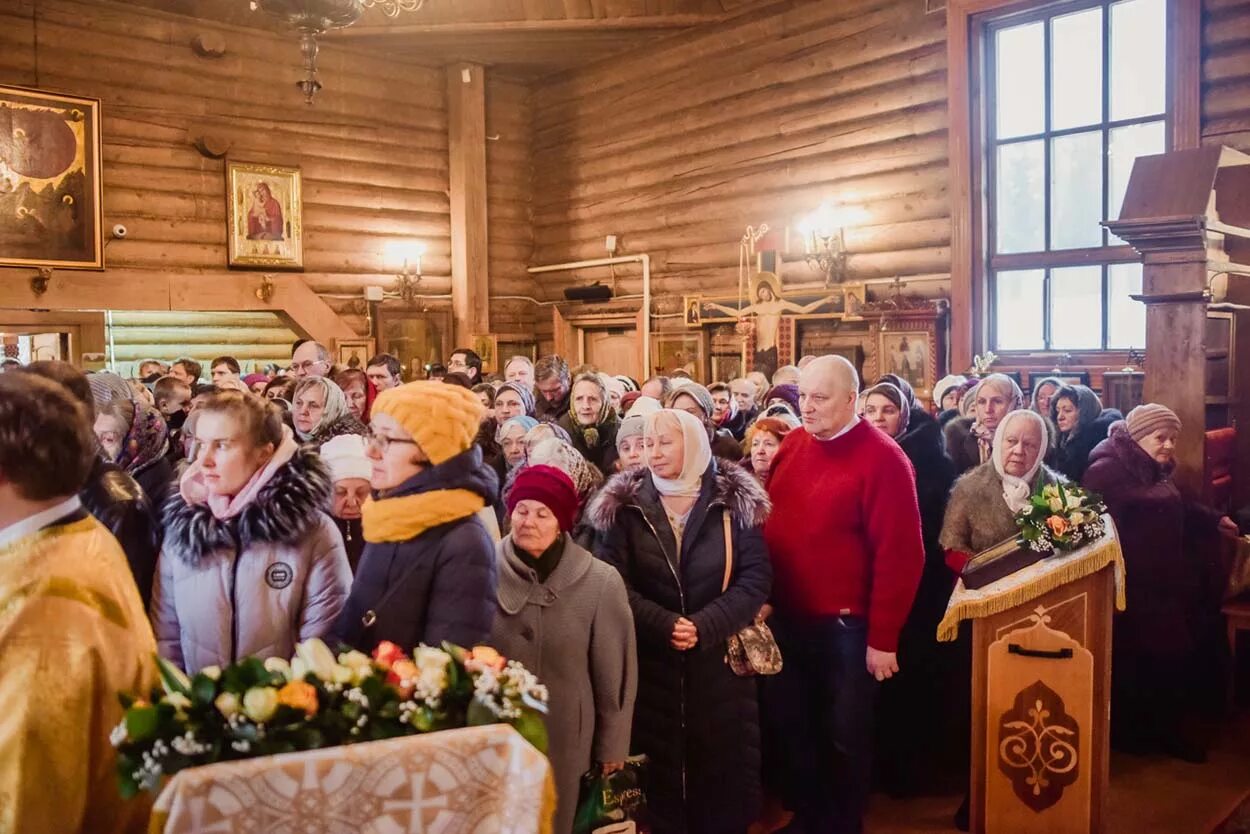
<point>73,632</point>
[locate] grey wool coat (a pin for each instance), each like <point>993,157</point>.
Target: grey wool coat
<point>576,633</point>
<point>977,516</point>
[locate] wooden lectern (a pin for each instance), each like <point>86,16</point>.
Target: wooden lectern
<point>1041,688</point>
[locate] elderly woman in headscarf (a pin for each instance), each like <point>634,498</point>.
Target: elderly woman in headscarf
<point>946,393</point>
<point>592,421</point>
<point>969,440</point>
<point>1081,423</point>
<point>665,528</point>
<point>1044,391</point>
<point>136,438</point>
<point>510,437</point>
<point>320,412</point>
<point>565,615</point>
<point>907,737</point>
<point>696,400</point>
<point>513,399</point>
<point>984,502</point>
<point>358,390</point>
<point>629,437</point>
<point>1162,534</point>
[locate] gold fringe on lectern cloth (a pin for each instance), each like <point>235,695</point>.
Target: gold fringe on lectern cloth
<point>1034,581</point>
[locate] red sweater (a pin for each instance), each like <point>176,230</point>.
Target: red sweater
<point>844,534</point>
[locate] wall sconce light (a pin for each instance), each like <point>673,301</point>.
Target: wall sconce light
<point>39,283</point>
<point>824,246</point>
<point>265,291</point>
<point>408,277</point>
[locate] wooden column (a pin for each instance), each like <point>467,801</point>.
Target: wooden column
<point>466,133</point>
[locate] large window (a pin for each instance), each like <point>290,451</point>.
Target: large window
<point>1073,94</point>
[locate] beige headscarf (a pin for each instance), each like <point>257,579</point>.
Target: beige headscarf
<point>698,452</point>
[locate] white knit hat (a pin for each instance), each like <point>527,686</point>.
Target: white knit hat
<point>345,455</point>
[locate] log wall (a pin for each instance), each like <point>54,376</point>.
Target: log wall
<point>373,148</point>
<point>1226,73</point>
<point>676,148</point>
<point>679,147</point>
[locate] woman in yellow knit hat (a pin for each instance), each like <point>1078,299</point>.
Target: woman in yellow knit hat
<point>428,570</point>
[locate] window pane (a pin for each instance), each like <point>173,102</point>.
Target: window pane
<point>1126,318</point>
<point>1126,144</point>
<point>1019,67</point>
<point>1138,58</point>
<point>1018,310</point>
<point>1076,69</point>
<point>1020,198</point>
<point>1076,191</point>
<point>1076,307</point>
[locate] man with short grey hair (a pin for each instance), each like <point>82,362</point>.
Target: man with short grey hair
<point>310,359</point>
<point>845,544</point>
<point>520,369</point>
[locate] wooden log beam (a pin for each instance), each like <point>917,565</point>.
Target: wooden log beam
<point>417,33</point>
<point>466,141</point>
<point>139,289</point>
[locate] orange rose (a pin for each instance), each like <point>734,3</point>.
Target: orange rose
<point>300,695</point>
<point>387,653</point>
<point>403,676</point>
<point>487,657</point>
<point>1058,525</point>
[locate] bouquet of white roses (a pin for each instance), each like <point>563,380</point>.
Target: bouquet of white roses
<point>315,700</point>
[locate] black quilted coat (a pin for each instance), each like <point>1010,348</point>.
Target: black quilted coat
<point>696,721</point>
<point>911,746</point>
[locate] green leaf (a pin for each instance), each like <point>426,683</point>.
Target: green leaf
<point>203,689</point>
<point>141,723</point>
<point>173,678</point>
<point>532,728</point>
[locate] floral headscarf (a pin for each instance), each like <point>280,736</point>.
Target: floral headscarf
<point>146,442</point>
<point>523,391</point>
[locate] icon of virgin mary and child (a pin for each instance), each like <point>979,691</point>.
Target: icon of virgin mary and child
<point>264,217</point>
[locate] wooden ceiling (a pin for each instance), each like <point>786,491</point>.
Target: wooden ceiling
<point>527,38</point>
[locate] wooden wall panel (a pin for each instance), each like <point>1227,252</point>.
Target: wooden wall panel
<point>1226,73</point>
<point>509,215</point>
<point>758,119</point>
<point>373,149</point>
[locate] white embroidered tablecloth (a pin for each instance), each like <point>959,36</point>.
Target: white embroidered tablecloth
<point>479,780</point>
<point>1031,582</point>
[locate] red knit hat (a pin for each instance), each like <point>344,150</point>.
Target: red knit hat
<point>550,487</point>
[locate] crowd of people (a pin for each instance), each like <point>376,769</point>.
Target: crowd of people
<point>610,535</point>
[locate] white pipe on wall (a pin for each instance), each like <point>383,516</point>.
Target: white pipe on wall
<point>645,260</point>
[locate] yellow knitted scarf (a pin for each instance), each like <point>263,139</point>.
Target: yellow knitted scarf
<point>406,517</point>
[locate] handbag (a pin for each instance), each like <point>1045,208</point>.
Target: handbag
<point>753,650</point>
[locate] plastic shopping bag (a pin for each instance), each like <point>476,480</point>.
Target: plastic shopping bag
<point>615,803</point>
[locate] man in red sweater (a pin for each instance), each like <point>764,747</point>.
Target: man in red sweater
<point>845,544</point>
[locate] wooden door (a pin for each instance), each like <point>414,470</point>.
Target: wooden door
<point>612,351</point>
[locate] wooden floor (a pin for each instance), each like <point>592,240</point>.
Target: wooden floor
<point>1149,794</point>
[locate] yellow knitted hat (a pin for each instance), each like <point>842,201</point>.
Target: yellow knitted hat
<point>443,419</point>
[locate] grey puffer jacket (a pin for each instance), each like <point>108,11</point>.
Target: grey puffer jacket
<point>255,584</point>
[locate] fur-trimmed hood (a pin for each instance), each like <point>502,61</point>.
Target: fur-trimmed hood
<point>724,483</point>
<point>285,509</point>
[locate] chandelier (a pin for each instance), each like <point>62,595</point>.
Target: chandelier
<point>392,8</point>
<point>312,18</point>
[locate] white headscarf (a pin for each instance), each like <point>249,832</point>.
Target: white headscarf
<point>698,453</point>
<point>1018,491</point>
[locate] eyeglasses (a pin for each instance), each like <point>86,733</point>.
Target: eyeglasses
<point>381,442</point>
<point>307,366</point>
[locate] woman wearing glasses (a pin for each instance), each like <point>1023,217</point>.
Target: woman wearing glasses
<point>251,563</point>
<point>428,570</point>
